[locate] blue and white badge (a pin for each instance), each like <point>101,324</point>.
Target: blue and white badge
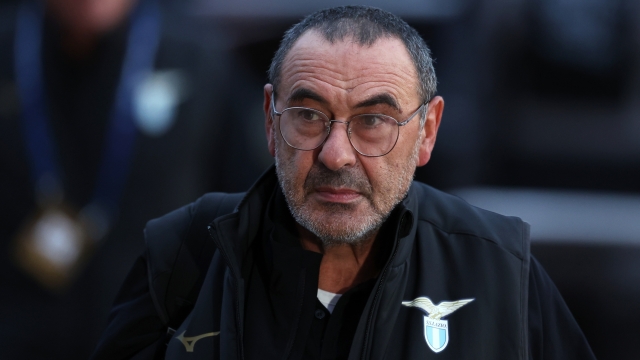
<point>436,330</point>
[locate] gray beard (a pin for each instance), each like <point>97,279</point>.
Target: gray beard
<point>355,230</point>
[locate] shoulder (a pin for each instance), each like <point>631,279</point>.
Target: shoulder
<point>165,235</point>
<point>453,215</point>
<point>207,206</point>
<point>553,331</point>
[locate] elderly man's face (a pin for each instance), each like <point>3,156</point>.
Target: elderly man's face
<point>333,191</point>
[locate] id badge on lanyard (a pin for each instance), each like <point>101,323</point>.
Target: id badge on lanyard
<point>57,239</point>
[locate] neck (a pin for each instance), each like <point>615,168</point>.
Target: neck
<point>342,266</point>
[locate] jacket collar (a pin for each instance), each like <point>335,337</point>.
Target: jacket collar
<point>251,209</point>
<point>233,233</point>
<point>406,226</point>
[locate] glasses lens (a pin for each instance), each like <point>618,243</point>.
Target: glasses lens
<point>373,135</point>
<point>303,128</point>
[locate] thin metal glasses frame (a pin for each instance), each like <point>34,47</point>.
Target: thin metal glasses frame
<point>329,127</point>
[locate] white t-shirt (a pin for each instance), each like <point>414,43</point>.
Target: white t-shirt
<point>328,299</point>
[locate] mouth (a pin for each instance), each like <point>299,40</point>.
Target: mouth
<point>337,195</point>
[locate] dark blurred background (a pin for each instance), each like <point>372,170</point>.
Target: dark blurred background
<point>542,121</point>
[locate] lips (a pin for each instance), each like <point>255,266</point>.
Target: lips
<point>344,186</point>
<point>337,195</point>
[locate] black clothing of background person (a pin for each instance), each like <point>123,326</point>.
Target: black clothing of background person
<point>167,171</point>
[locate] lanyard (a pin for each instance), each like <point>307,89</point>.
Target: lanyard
<point>121,132</point>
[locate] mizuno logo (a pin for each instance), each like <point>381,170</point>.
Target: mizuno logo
<point>436,330</point>
<point>189,342</point>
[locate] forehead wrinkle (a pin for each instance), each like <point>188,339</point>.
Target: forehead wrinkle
<point>342,68</point>
<point>350,70</point>
<point>313,68</point>
<point>304,66</point>
<point>363,95</point>
<point>350,80</point>
<point>370,81</point>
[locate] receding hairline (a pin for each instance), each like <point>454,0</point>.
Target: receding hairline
<point>365,25</point>
<point>348,37</point>
<point>344,39</point>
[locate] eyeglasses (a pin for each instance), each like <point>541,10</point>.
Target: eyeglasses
<point>370,134</point>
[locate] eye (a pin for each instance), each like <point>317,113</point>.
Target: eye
<point>309,115</point>
<point>370,121</point>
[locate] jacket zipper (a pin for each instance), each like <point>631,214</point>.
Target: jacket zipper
<point>291,342</point>
<point>376,297</point>
<point>227,259</point>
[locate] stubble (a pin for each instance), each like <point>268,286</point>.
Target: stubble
<point>337,223</point>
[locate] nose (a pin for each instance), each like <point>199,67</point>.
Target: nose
<point>337,152</point>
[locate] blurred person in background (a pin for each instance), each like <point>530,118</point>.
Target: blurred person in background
<point>111,112</point>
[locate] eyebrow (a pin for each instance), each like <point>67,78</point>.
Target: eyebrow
<point>382,98</point>
<point>303,93</point>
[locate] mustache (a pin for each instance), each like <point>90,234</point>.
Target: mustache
<point>347,177</point>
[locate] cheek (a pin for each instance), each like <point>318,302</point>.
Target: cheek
<point>389,173</point>
<point>379,171</point>
<point>295,163</point>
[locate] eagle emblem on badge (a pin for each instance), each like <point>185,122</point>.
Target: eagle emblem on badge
<point>436,330</point>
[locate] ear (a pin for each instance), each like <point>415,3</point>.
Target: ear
<point>430,130</point>
<point>268,119</point>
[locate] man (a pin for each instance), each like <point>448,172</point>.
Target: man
<point>335,253</point>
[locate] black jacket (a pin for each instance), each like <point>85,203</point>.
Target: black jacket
<point>444,249</point>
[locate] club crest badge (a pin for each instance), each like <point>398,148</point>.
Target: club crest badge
<point>436,330</point>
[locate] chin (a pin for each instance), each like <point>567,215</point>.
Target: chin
<point>338,224</point>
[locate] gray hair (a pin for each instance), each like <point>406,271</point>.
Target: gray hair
<point>365,25</point>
